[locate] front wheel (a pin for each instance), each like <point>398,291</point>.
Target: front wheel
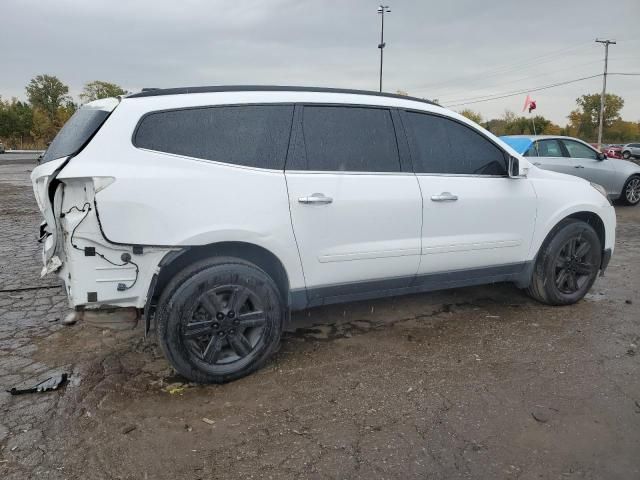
<point>219,320</point>
<point>631,190</point>
<point>626,155</point>
<point>567,264</point>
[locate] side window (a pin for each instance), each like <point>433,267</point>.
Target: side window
<point>549,148</point>
<point>441,145</point>
<point>350,139</point>
<point>578,150</point>
<point>251,135</point>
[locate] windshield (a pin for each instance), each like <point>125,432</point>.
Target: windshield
<point>79,129</point>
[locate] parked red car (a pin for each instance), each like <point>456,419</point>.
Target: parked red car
<point>613,151</point>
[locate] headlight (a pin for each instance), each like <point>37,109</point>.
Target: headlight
<point>601,189</point>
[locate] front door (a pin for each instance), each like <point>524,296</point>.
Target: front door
<point>356,214</point>
<point>475,217</point>
<point>588,166</point>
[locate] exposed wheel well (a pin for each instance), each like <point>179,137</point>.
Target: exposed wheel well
<point>259,256</point>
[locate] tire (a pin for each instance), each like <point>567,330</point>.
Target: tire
<point>219,319</point>
<point>626,155</point>
<point>631,191</point>
<point>572,247</point>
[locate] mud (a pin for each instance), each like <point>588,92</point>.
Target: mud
<point>470,383</point>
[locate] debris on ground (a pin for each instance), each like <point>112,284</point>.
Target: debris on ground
<point>128,429</point>
<point>51,383</point>
<point>70,318</point>
<point>208,421</point>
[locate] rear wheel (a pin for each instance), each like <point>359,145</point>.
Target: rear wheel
<point>567,264</point>
<point>219,320</point>
<point>631,190</point>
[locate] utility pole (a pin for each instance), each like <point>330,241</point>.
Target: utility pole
<point>382,9</point>
<point>606,44</point>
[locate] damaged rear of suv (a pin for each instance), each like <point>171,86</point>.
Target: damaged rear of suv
<point>215,211</point>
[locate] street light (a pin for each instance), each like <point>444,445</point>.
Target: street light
<point>382,9</point>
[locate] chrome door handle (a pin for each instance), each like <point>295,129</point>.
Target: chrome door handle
<point>315,199</point>
<point>444,197</point>
<point>578,166</point>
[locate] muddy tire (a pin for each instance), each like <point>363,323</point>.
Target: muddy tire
<point>567,264</point>
<point>219,319</point>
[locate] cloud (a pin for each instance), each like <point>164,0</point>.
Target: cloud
<point>446,50</point>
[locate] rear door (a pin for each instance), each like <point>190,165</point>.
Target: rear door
<point>550,155</point>
<point>588,166</point>
<point>475,217</point>
<point>356,211</point>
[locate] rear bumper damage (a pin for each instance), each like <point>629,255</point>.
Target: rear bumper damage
<point>96,273</point>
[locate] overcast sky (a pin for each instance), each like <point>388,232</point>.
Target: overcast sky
<point>451,51</point>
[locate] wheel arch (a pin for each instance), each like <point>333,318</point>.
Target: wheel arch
<point>176,261</point>
<point>589,217</point>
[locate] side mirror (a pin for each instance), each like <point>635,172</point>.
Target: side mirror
<point>602,156</point>
<point>514,168</point>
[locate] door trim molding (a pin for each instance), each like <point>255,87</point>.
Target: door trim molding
<point>520,273</point>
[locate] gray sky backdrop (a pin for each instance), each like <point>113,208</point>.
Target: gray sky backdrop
<point>446,50</point>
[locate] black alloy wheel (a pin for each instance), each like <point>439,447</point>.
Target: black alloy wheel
<point>219,319</point>
<point>573,265</point>
<point>226,324</point>
<point>567,264</point>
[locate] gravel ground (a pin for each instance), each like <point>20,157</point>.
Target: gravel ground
<point>472,383</point>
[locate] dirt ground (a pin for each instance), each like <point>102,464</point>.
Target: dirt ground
<point>472,383</point>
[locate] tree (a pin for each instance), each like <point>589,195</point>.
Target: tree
<point>583,121</point>
<point>99,89</point>
<point>16,118</point>
<point>47,93</point>
<point>511,124</point>
<point>471,115</point>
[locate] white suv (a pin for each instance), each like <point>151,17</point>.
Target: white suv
<point>218,210</point>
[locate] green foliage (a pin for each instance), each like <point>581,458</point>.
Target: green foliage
<point>511,124</point>
<point>98,89</point>
<point>16,118</point>
<point>47,93</point>
<point>471,115</point>
<point>583,121</point>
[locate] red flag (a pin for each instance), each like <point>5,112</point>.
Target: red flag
<point>529,103</point>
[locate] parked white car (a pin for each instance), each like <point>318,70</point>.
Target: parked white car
<point>218,210</point>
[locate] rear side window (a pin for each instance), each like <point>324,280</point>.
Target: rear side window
<point>250,135</point>
<point>441,145</point>
<point>351,139</point>
<point>545,148</point>
<point>76,133</point>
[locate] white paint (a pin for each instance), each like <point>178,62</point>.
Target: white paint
<point>378,225</point>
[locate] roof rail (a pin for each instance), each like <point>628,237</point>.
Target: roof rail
<point>156,92</point>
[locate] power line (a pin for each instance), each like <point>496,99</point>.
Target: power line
<point>518,65</point>
<point>518,80</point>
<point>520,92</point>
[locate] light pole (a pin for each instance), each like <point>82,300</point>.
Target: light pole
<point>606,44</point>
<point>382,9</point>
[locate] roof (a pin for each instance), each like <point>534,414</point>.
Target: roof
<point>155,92</point>
<point>536,137</point>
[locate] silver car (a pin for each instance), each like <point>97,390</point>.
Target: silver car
<point>631,150</point>
<point>621,179</point>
